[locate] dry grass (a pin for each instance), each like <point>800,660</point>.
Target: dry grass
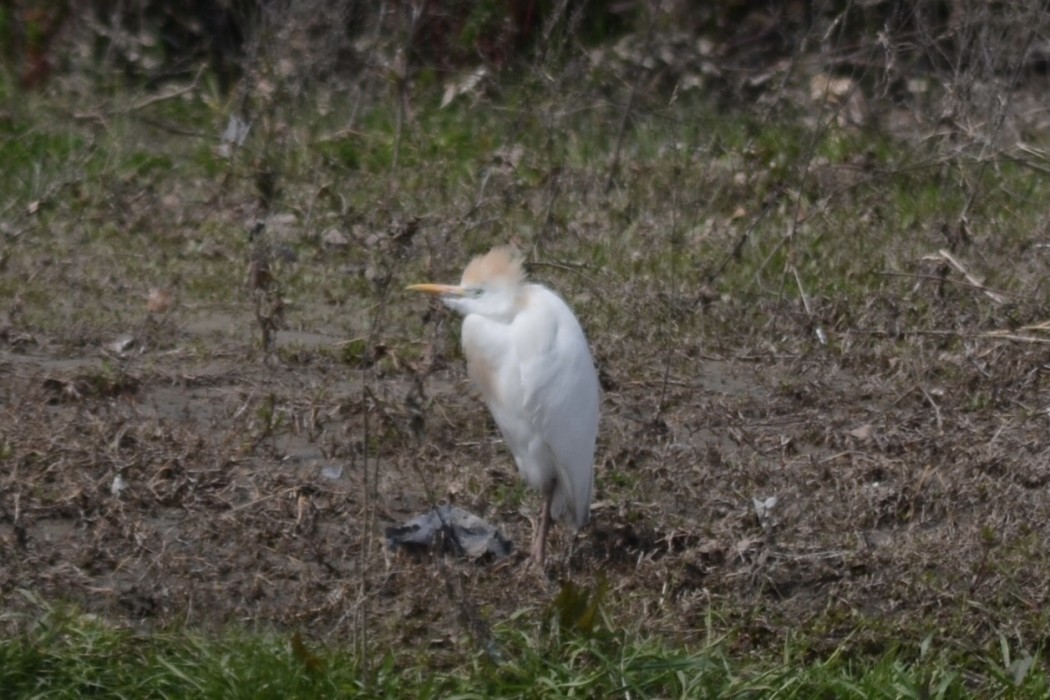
<point>767,298</point>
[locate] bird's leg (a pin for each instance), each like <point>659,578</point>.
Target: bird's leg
<point>539,541</point>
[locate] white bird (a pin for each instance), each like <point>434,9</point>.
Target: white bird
<point>528,357</point>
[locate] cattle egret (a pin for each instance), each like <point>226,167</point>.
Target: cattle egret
<point>528,357</point>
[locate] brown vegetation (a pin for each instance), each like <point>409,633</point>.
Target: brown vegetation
<point>825,401</point>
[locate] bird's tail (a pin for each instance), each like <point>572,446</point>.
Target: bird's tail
<point>570,509</point>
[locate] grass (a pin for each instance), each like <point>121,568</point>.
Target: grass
<point>834,250</point>
<point>718,235</point>
<point>64,653</point>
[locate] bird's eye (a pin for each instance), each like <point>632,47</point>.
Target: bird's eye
<point>475,292</point>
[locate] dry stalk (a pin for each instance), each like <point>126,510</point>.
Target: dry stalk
<point>389,259</point>
<point>625,114</point>
<point>1003,107</point>
<point>399,73</point>
<point>672,296</point>
<point>102,116</point>
<point>974,281</point>
<point>265,289</point>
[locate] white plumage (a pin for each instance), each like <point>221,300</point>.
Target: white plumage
<point>528,357</point>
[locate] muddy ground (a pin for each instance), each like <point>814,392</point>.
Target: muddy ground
<point>818,423</point>
<point>173,473</point>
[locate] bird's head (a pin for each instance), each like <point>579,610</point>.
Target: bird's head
<point>491,285</point>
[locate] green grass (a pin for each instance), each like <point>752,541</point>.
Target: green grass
<point>63,653</point>
<point>838,249</point>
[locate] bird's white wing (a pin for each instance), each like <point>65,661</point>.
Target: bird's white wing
<point>560,396</point>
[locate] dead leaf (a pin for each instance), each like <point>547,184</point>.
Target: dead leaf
<point>159,301</point>
<point>334,238</point>
<point>863,432</point>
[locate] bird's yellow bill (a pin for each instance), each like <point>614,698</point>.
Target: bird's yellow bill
<point>440,289</point>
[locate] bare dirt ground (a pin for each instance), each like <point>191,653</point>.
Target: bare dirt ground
<point>183,478</point>
<point>819,425</point>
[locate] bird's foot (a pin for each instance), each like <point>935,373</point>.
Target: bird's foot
<point>536,563</point>
<point>535,569</point>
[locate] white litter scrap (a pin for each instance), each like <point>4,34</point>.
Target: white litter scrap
<point>762,507</point>
<point>122,346</point>
<point>332,471</point>
<point>234,135</point>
